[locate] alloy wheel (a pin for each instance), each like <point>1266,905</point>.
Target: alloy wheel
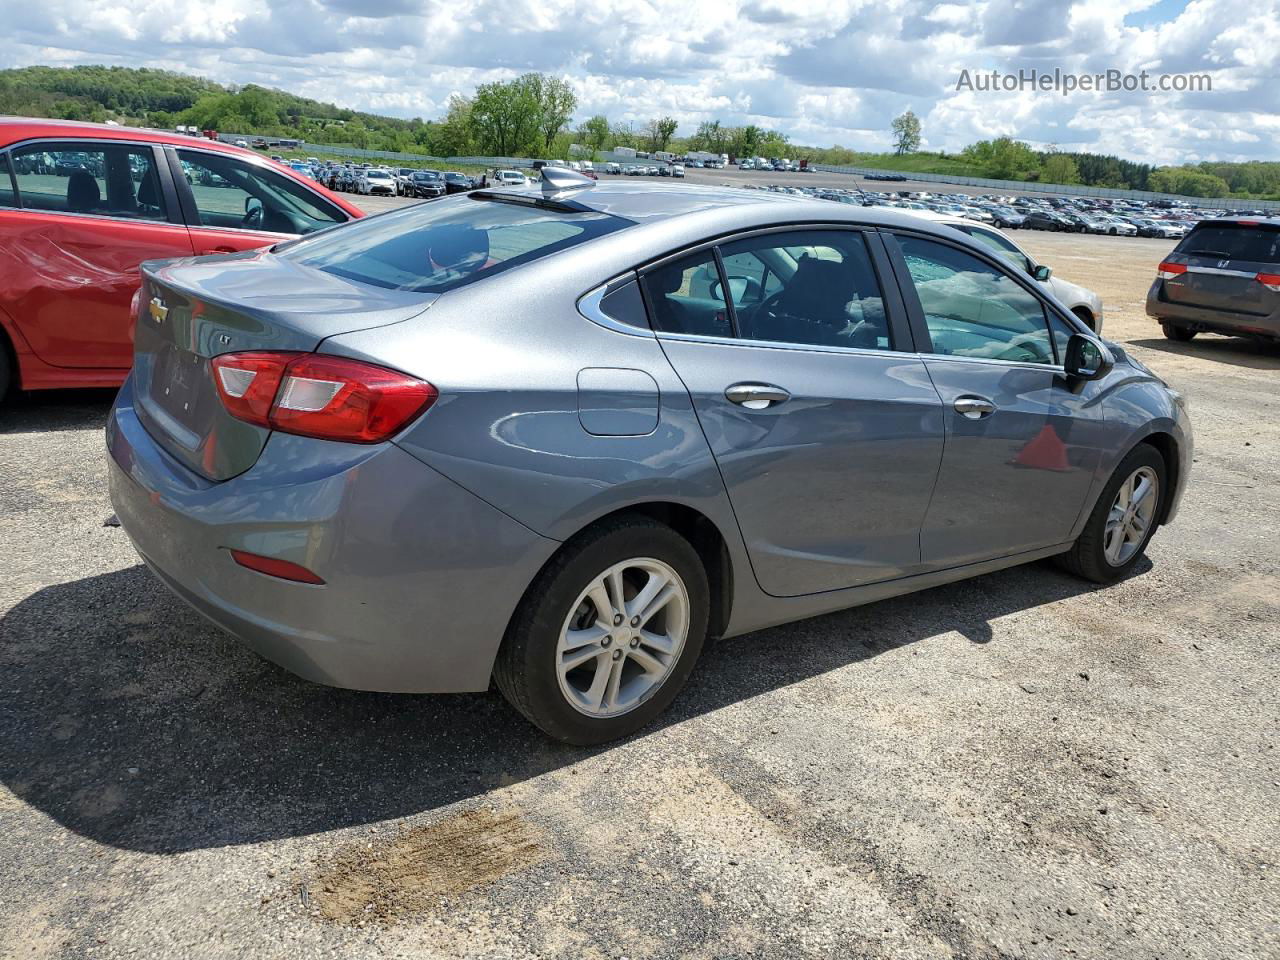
<point>622,637</point>
<point>1131,516</point>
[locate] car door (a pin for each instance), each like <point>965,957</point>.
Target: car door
<point>825,426</point>
<point>233,203</point>
<point>1022,441</point>
<point>82,217</point>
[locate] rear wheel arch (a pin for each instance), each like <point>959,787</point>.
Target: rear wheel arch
<point>696,528</point>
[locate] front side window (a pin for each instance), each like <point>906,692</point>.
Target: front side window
<point>106,179</point>
<point>815,288</point>
<point>232,194</point>
<point>433,247</point>
<point>685,297</point>
<point>972,309</point>
<point>1000,245</point>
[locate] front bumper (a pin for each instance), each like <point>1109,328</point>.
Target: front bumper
<point>421,577</point>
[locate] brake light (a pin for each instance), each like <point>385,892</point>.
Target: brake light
<point>1270,280</point>
<point>313,395</point>
<point>1167,270</point>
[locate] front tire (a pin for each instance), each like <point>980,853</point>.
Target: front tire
<point>1123,520</point>
<point>1177,333</point>
<point>607,633</point>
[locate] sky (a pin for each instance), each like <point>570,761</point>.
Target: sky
<point>827,72</point>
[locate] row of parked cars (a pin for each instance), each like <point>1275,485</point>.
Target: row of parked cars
<point>376,180</point>
<point>1170,220</point>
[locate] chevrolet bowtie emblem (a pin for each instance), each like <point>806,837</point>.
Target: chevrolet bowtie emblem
<point>158,310</point>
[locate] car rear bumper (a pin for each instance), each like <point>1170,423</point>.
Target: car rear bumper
<point>421,577</point>
<point>1210,320</point>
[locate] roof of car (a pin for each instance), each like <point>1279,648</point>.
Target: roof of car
<point>14,129</point>
<point>651,200</point>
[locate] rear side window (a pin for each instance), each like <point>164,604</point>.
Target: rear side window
<point>812,288</point>
<point>1233,241</point>
<point>685,297</point>
<point>111,180</point>
<point>433,247</point>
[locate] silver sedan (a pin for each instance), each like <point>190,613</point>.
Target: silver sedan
<point>558,436</point>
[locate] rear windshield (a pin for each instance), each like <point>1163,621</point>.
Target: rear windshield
<point>1233,241</point>
<point>433,247</point>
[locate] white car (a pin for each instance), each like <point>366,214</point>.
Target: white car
<point>375,182</point>
<point>1081,301</point>
<point>612,167</point>
<point>242,143</point>
<point>509,178</point>
<point>677,171</point>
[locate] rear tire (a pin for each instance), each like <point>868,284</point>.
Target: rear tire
<point>1177,333</point>
<point>1123,520</point>
<point>575,595</point>
<point>7,366</point>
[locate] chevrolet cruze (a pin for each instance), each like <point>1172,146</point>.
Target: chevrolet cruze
<point>556,437</point>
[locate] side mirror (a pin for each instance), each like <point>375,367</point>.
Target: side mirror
<point>738,286</point>
<point>1042,273</point>
<point>251,204</point>
<point>1087,359</point>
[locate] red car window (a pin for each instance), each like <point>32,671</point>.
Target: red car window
<point>114,180</point>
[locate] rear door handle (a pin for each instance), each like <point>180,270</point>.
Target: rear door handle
<point>974,408</point>
<point>755,396</point>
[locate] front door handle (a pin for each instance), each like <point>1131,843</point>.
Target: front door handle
<point>974,408</point>
<point>755,396</point>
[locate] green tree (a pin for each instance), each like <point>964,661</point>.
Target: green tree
<point>1187,182</point>
<point>594,133</point>
<point>1002,158</point>
<point>906,133</point>
<point>504,118</point>
<point>659,132</point>
<point>452,136</point>
<point>1059,168</point>
<point>554,102</point>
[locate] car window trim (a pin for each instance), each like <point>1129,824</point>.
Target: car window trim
<point>192,213</point>
<point>900,332</point>
<point>915,311</point>
<point>173,216</point>
<point>13,181</point>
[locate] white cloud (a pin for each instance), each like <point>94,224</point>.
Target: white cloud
<point>835,72</point>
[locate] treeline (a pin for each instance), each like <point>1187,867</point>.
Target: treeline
<point>532,116</point>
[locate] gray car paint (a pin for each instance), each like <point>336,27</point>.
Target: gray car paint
<point>429,542</point>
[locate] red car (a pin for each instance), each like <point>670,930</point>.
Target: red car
<point>83,204</point>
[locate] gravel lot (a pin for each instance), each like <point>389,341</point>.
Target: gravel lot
<point>1020,766</point>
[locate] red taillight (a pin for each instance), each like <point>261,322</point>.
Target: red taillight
<point>275,567</point>
<point>314,395</point>
<point>1167,270</point>
<point>247,383</point>
<point>1270,280</point>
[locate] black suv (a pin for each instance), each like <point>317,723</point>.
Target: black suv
<point>1223,277</point>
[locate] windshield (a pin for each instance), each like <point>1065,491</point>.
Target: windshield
<point>433,247</point>
<point>1233,241</point>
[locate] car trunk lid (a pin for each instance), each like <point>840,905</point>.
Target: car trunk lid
<point>1223,260</point>
<point>193,310</point>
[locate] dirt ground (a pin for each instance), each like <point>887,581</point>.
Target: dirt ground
<point>1019,766</point>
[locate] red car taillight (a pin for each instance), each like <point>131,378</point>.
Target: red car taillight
<point>1167,271</point>
<point>1270,280</point>
<point>313,395</point>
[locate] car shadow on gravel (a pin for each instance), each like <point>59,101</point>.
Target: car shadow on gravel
<point>1237,351</point>
<point>130,720</point>
<point>46,410</point>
